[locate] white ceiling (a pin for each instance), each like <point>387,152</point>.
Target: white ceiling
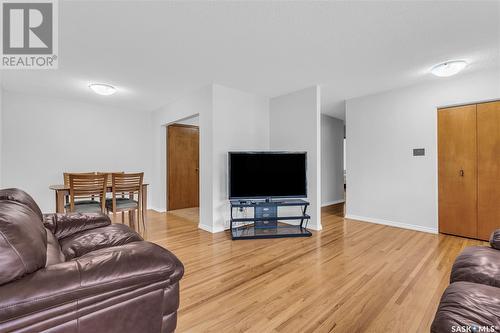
<point>156,52</point>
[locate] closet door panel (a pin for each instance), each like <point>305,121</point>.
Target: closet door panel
<point>488,143</point>
<point>457,171</point>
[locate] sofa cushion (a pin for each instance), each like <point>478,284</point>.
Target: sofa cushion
<point>98,280</point>
<point>54,253</point>
<point>467,304</point>
<point>15,194</point>
<point>495,239</point>
<point>64,225</point>
<point>23,241</point>
<point>479,264</point>
<point>87,241</point>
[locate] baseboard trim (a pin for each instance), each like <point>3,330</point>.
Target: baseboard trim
<point>392,223</point>
<point>159,210</point>
<point>210,228</point>
<point>332,203</point>
<point>315,227</point>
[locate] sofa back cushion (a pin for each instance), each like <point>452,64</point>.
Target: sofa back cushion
<point>54,253</point>
<point>495,239</point>
<point>23,241</point>
<point>15,194</point>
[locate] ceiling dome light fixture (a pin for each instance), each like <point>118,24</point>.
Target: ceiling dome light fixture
<point>102,89</point>
<point>448,68</point>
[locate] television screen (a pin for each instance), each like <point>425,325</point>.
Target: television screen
<point>267,174</point>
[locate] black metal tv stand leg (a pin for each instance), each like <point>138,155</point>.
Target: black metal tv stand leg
<point>303,214</point>
<point>231,222</point>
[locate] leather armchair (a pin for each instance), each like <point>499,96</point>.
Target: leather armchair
<point>472,300</point>
<point>80,273</point>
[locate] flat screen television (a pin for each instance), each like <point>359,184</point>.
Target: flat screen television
<point>254,175</point>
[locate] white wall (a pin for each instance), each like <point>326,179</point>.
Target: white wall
<point>295,125</point>
<point>1,133</point>
<point>385,183</point>
<point>44,137</point>
<point>332,160</point>
<point>229,119</point>
<point>198,103</point>
<point>241,122</point>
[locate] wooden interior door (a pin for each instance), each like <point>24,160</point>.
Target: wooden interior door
<point>457,171</point>
<point>182,166</point>
<point>488,186</point>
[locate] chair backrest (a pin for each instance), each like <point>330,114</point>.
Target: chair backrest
<point>126,184</point>
<point>87,186</point>
<point>66,176</point>
<point>109,175</point>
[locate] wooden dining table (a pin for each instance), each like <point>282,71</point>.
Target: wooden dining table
<point>61,191</point>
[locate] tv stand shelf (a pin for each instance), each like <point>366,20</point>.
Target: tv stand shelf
<point>265,220</point>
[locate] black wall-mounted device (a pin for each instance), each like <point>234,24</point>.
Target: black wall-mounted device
<point>419,152</point>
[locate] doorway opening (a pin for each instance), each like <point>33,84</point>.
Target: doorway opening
<point>333,166</point>
<point>183,171</point>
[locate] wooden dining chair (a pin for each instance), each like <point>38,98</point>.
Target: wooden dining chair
<point>87,193</point>
<point>66,176</point>
<point>125,186</point>
<point>109,177</point>
<point>66,180</point>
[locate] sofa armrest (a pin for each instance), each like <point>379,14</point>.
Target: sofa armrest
<point>495,239</point>
<point>97,275</point>
<point>64,225</point>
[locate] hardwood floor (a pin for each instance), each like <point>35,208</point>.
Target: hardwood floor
<point>350,277</point>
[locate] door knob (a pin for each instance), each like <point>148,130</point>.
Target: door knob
<point>461,173</point>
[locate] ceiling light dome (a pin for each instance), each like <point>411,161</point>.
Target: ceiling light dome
<point>448,68</point>
<point>102,89</point>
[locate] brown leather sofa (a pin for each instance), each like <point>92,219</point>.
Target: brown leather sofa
<point>80,273</point>
<point>471,303</point>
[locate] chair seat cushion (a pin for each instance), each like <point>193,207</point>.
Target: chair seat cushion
<point>122,203</point>
<point>478,264</point>
<point>86,206</point>
<point>467,304</point>
<point>91,240</point>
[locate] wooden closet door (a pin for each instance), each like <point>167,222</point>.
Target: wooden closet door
<point>488,187</point>
<point>457,171</point>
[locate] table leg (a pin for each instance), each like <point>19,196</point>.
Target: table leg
<point>60,201</point>
<point>144,204</point>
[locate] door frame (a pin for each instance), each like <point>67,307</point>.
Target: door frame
<point>167,169</point>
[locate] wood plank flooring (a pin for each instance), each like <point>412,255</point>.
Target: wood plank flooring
<point>350,277</point>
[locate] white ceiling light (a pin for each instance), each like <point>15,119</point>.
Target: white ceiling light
<point>102,89</point>
<point>448,68</point>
